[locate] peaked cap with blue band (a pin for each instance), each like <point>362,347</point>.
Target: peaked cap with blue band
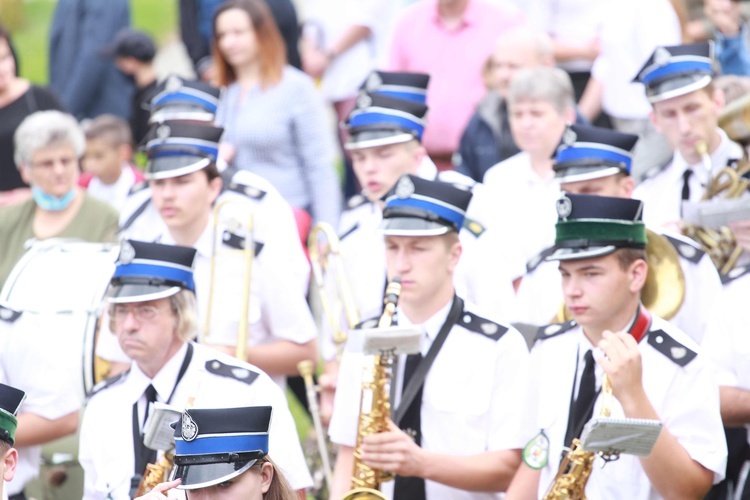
<point>594,226</point>
<point>176,148</point>
<point>677,70</point>
<point>379,120</point>
<point>215,445</point>
<point>10,400</point>
<point>179,99</point>
<point>591,153</point>
<point>399,85</point>
<point>151,271</point>
<point>418,207</point>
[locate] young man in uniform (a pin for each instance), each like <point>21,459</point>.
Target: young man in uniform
<point>598,161</point>
<point>153,314</point>
<point>458,437</point>
<point>653,368</point>
<point>185,189</point>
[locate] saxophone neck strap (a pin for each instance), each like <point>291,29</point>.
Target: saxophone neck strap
<point>416,381</point>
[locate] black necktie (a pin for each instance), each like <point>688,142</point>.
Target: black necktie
<point>582,409</point>
<point>146,455</point>
<point>686,184</point>
<point>411,488</point>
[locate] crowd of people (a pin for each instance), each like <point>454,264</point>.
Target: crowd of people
<point>537,246</point>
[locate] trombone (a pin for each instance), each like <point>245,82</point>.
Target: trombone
<point>330,260</point>
<point>248,251</point>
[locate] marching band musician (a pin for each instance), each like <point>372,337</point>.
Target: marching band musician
<point>185,186</point>
<point>459,437</point>
<point>654,369</point>
<point>10,400</point>
<point>597,161</point>
<point>686,108</point>
<point>153,313</point>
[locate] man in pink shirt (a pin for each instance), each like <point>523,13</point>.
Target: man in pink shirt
<point>451,40</point>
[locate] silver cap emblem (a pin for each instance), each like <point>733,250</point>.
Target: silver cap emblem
<point>405,187</point>
<point>661,56</point>
<point>373,81</point>
<point>564,207</point>
<point>364,101</point>
<point>127,253</point>
<point>163,132</point>
<point>189,427</point>
<point>569,137</point>
<point>173,84</point>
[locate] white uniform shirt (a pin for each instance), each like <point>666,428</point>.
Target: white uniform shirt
<point>472,400</point>
<point>540,294</point>
<point>662,193</point>
<point>39,363</point>
<point>727,343</point>
<point>116,193</point>
<point>106,442</point>
<point>630,32</point>
<point>524,204</point>
<point>686,398</point>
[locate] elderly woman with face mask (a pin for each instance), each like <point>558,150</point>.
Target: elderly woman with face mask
<point>48,146</point>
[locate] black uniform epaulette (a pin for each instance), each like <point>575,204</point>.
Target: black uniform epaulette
<point>534,262</point>
<point>656,170</point>
<point>477,324</point>
<point>9,315</point>
<point>237,242</point>
<point>669,347</point>
<point>687,248</point>
<point>553,330</point>
<point>246,190</point>
<point>356,201</point>
<point>140,186</point>
<point>236,372</point>
<point>368,323</point>
<point>732,275</point>
<point>108,382</point>
<point>349,231</point>
<point>473,227</point>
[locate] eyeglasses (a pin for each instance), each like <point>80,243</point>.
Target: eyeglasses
<point>142,312</point>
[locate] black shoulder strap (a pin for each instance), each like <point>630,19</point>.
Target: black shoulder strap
<point>416,381</point>
<point>134,216</point>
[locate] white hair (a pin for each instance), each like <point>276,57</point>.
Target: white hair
<point>542,83</point>
<point>43,129</point>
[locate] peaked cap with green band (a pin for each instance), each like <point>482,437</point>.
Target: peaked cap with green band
<point>594,226</point>
<point>10,400</point>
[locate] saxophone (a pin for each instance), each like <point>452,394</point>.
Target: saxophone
<point>155,474</point>
<point>375,408</point>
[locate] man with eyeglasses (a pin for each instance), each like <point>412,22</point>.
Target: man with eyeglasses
<point>153,313</point>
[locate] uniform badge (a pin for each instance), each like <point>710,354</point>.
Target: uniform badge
<point>6,313</point>
<point>127,253</point>
<point>661,56</point>
<point>173,84</point>
<point>569,137</point>
<point>678,352</point>
<point>564,207</point>
<point>364,101</point>
<point>240,373</point>
<point>252,192</point>
<point>489,328</point>
<point>189,427</point>
<point>373,81</point>
<point>536,452</point>
<point>404,188</point>
<point>163,132</point>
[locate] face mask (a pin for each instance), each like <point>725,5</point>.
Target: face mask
<point>52,203</point>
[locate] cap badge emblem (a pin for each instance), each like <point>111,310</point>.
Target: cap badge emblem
<point>163,132</point>
<point>189,427</point>
<point>564,207</point>
<point>569,137</point>
<point>173,84</point>
<point>373,81</point>
<point>127,253</point>
<point>364,101</point>
<point>661,56</point>
<point>404,188</point>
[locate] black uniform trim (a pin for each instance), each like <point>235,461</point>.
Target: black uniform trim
<point>368,323</point>
<point>477,324</point>
<point>246,190</point>
<point>9,315</point>
<point>687,248</point>
<point>236,372</point>
<point>734,274</point>
<point>237,242</point>
<point>474,227</point>
<point>669,347</point>
<point>109,382</point>
<point>356,201</point>
<point>536,260</point>
<point>349,231</point>
<point>553,330</point>
<point>140,186</point>
<point>134,216</point>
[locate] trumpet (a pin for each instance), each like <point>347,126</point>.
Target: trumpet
<point>306,369</point>
<point>331,261</point>
<point>248,251</point>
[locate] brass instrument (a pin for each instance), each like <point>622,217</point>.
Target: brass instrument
<point>664,291</point>
<point>375,408</point>
<point>330,260</point>
<point>729,183</point>
<point>155,474</point>
<point>249,254</point>
<point>306,369</point>
<point>735,120</point>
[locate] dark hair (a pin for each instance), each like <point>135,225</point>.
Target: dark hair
<point>271,48</point>
<point>110,128</point>
<point>5,35</point>
<point>626,256</point>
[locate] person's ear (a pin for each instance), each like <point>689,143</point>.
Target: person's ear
<point>638,274</point>
<point>11,460</point>
<point>266,477</point>
<point>24,171</point>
